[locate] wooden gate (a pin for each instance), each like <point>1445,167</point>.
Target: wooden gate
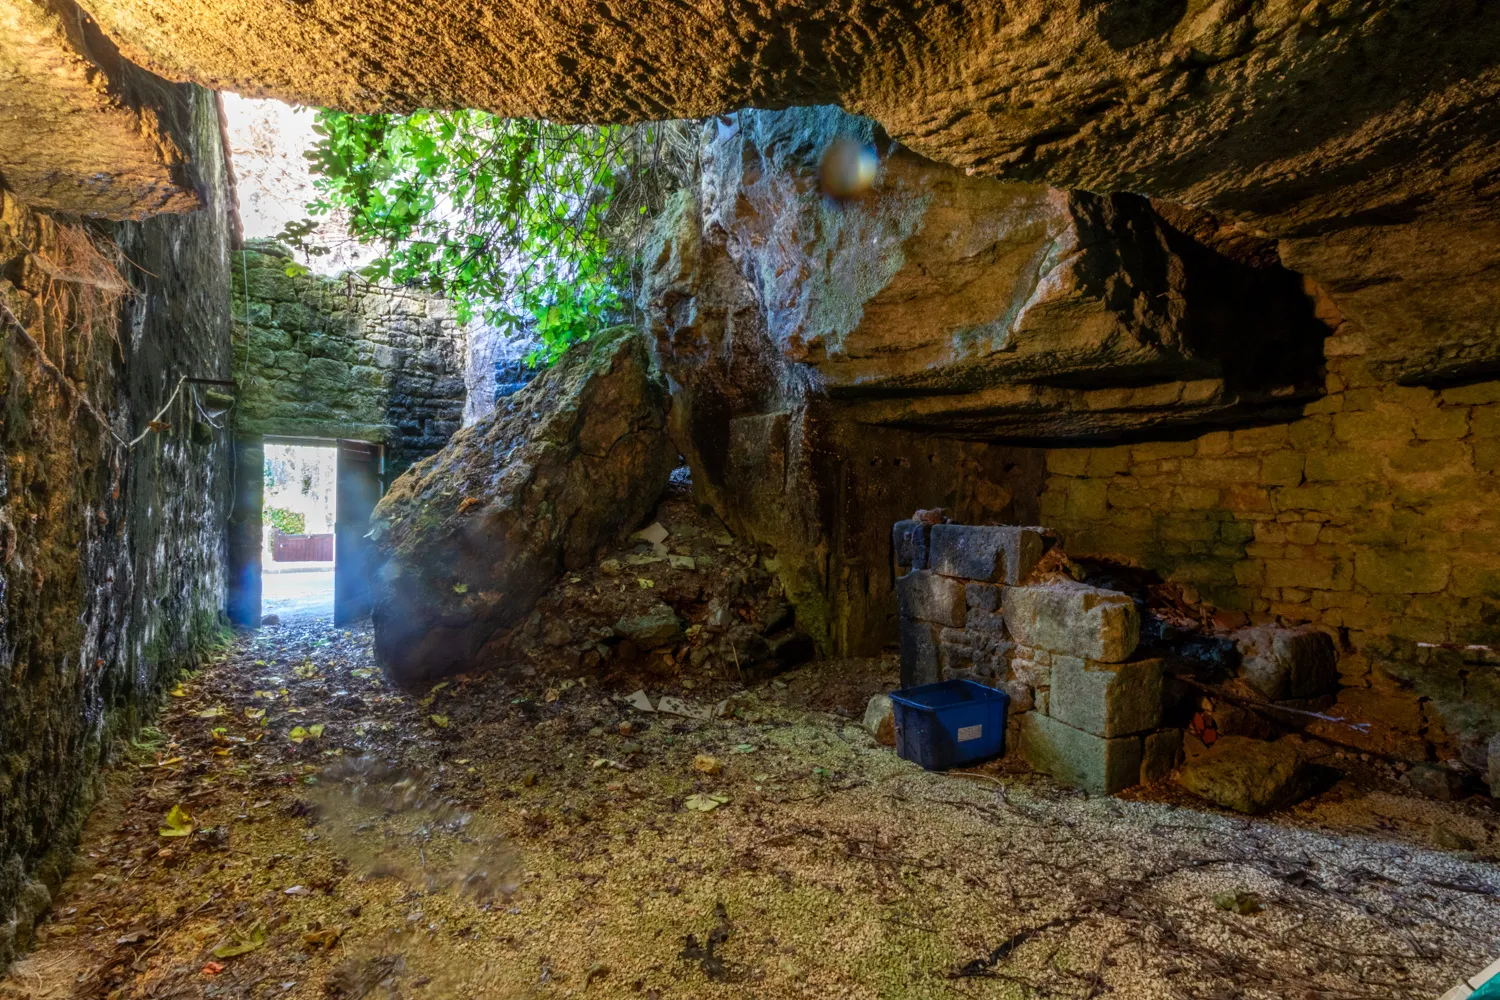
<point>300,548</point>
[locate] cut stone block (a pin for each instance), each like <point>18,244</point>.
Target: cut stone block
<point>909,543</point>
<point>987,553</point>
<point>1284,663</point>
<point>1079,759</point>
<point>1107,699</point>
<point>1163,749</point>
<point>919,652</point>
<point>925,596</point>
<point>1073,618</point>
<point>1247,776</point>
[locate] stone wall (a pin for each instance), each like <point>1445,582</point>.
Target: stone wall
<point>111,559</point>
<point>1376,517</point>
<point>330,358</point>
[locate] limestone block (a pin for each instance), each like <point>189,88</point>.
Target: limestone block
<point>1107,699</point>
<point>909,543</point>
<point>1247,775</point>
<point>989,553</point>
<point>1074,619</point>
<point>926,596</point>
<point>1080,759</point>
<point>919,652</point>
<point>1162,750</point>
<point>1287,662</point>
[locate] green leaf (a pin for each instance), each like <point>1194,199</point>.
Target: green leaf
<point>241,942</point>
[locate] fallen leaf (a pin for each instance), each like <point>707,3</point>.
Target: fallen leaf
<point>552,695</point>
<point>431,695</point>
<point>306,669</point>
<point>645,583</point>
<point>1246,904</point>
<point>705,802</point>
<point>745,748</point>
<point>211,713</point>
<point>441,721</point>
<point>213,968</point>
<point>171,761</point>
<point>241,942</point>
<point>179,823</point>
<point>708,765</point>
<point>298,734</point>
<point>325,938</point>
<point>460,588</point>
<point>255,713</point>
<point>178,692</point>
<point>606,762</point>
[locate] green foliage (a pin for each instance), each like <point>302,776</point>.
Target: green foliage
<point>289,522</point>
<point>511,218</point>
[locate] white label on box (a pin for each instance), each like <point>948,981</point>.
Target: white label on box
<point>967,733</point>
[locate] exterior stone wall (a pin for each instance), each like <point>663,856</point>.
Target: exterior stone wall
<point>325,357</point>
<point>1375,517</point>
<point>112,566</point>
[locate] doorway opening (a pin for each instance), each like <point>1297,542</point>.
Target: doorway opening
<point>299,514</point>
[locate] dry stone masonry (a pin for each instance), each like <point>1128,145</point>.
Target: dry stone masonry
<point>332,358</point>
<point>1084,707</point>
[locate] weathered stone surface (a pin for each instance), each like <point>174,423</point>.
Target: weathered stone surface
<point>1493,759</point>
<point>982,597</point>
<point>1435,781</point>
<point>112,561</point>
<point>880,719</point>
<point>925,596</point>
<point>978,655</point>
<point>1283,663</point>
<point>1080,759</point>
<point>658,626</point>
<point>83,131</point>
<point>920,653</point>
<point>987,553</point>
<point>1074,619</point>
<point>1106,699</point>
<point>1162,751</point>
<point>909,542</point>
<point>335,364</point>
<point>469,538</point>
<point>1248,776</point>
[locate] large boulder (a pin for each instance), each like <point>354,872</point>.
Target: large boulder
<point>470,538</point>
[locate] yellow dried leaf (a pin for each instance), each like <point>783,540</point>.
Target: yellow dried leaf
<point>441,721</point>
<point>179,823</point>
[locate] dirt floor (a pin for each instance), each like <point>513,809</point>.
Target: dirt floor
<point>518,837</point>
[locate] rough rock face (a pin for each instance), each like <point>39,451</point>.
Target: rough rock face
<point>959,305</point>
<point>83,130</point>
<point>1246,775</point>
<point>111,560</point>
<point>472,536</point>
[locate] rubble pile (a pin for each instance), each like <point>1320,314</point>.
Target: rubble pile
<point>681,602</point>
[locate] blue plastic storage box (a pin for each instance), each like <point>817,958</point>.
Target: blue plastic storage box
<point>949,723</point>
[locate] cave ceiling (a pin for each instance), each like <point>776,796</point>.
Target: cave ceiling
<point>1361,136</point>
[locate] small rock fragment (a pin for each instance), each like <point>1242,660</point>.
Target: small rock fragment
<point>880,719</point>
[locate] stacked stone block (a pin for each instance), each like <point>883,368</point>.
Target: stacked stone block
<point>1374,517</point>
<point>1083,709</point>
<point>319,357</point>
<point>949,599</point>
